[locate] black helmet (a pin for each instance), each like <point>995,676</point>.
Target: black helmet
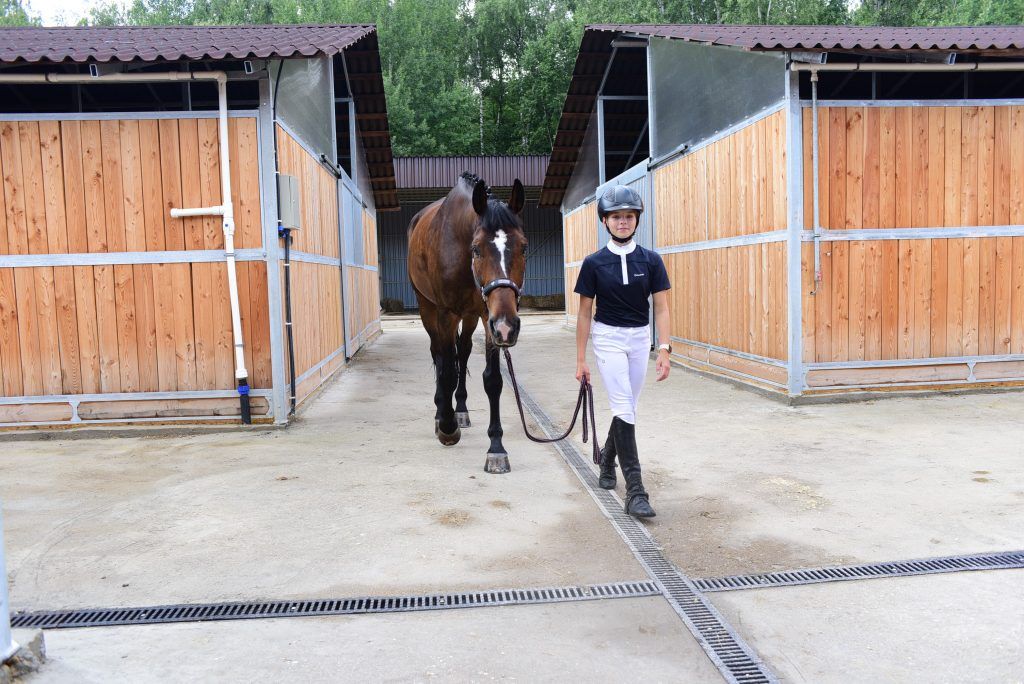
<point>618,198</point>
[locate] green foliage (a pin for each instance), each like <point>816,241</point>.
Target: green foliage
<point>490,76</point>
<point>14,13</point>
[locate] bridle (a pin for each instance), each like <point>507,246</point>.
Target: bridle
<point>495,284</point>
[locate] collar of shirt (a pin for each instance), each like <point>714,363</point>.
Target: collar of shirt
<point>622,251</point>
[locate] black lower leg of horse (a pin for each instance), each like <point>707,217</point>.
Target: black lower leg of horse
<point>464,346</point>
<point>497,457</point>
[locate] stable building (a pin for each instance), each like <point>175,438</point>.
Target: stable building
<point>839,208</point>
<point>150,175</point>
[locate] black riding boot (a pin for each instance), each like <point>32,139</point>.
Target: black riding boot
<point>607,479</point>
<point>637,504</point>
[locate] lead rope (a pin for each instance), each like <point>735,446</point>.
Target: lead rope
<point>585,400</point>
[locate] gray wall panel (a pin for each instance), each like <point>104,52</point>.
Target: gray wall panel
<point>544,264</point>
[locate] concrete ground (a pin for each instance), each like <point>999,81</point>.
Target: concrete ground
<point>358,498</point>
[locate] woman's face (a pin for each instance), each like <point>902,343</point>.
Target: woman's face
<point>622,224</point>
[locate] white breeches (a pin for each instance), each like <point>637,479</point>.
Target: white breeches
<point>622,356</point>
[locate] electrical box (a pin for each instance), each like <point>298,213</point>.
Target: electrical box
<point>288,201</point>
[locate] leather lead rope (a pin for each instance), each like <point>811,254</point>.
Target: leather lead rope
<point>585,401</point>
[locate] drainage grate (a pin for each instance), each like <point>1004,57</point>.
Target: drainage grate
<point>1003,560</point>
<point>204,612</point>
<point>731,655</point>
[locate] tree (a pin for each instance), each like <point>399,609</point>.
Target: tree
<point>13,13</point>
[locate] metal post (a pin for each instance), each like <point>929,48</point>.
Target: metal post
<point>7,644</point>
<point>795,214</point>
<point>601,177</point>
<point>652,142</point>
<point>272,245</point>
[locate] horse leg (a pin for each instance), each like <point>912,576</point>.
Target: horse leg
<point>497,457</point>
<point>464,345</point>
<point>448,432</point>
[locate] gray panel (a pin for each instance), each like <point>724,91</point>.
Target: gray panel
<point>702,89</point>
<point>586,174</point>
<point>290,200</point>
<point>304,101</point>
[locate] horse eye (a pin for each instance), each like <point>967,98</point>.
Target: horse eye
<point>476,251</point>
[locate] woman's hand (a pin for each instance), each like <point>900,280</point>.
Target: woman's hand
<point>662,365</point>
<point>582,371</point>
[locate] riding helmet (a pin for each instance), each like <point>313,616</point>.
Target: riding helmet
<point>618,198</point>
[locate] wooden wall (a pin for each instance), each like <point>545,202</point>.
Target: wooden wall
<point>88,186</point>
<point>316,287</point>
<point>579,239</point>
<point>728,297</point>
<point>363,281</point>
<point>734,186</point>
<point>915,167</point>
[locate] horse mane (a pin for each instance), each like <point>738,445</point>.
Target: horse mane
<point>498,214</point>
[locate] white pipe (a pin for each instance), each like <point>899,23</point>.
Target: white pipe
<point>229,229</point>
<point>201,211</point>
<point>909,66</point>
<point>226,210</point>
<point>816,155</point>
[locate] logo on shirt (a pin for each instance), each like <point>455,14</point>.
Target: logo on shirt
<point>639,275</point>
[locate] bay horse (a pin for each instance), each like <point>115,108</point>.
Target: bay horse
<point>467,261</point>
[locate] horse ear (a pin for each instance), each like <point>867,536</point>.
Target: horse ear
<point>480,198</point>
<point>518,198</point>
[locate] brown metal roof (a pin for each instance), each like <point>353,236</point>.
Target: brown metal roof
<point>595,51</point>
<point>959,38</point>
<point>443,172</point>
<point>172,43</point>
<point>362,60</point>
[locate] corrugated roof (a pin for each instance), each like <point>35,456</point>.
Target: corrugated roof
<point>835,37</point>
<point>172,43</point>
<point>443,172</point>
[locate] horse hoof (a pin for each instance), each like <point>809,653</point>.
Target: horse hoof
<point>449,440</point>
<point>462,418</point>
<point>497,464</point>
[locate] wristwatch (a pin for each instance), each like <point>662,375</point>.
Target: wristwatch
<point>666,347</point>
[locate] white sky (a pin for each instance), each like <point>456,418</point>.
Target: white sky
<point>60,12</point>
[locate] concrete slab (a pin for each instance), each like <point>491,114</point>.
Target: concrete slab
<point>939,628</point>
<point>606,641</point>
<point>356,498</point>
<point>745,484</point>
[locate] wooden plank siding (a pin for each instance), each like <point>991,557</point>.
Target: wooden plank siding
<point>317,310</point>
<point>732,297</point>
<point>734,186</point>
<point>92,186</point>
<point>915,167</point>
<point>579,238</point>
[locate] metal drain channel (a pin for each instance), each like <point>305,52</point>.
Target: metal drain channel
<point>247,610</point>
<point>1003,560</point>
<point>736,661</point>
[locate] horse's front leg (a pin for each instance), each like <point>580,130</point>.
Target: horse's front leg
<point>497,457</point>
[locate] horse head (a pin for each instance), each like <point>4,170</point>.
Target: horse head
<point>499,259</point>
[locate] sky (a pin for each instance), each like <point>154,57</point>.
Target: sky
<point>60,12</point>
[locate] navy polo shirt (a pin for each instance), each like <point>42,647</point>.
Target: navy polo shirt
<point>623,306</point>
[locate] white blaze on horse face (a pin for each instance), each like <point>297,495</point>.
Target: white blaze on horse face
<point>500,241</point>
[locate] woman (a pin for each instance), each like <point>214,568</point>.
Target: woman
<point>621,276</point>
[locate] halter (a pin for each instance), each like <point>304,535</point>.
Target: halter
<point>495,284</point>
